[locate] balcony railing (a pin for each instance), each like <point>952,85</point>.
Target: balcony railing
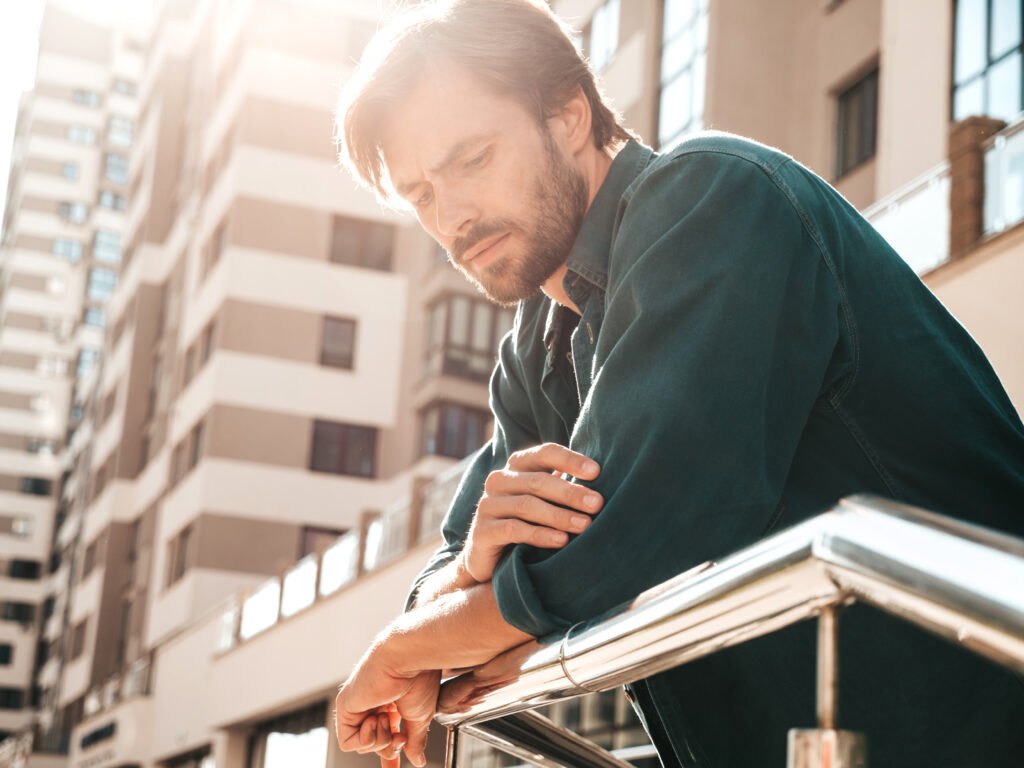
<point>915,220</point>
<point>1004,179</point>
<point>319,575</point>
<point>956,580</point>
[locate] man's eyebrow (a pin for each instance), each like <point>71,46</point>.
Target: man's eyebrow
<point>454,152</point>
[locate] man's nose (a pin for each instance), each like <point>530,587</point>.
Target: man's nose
<point>455,212</point>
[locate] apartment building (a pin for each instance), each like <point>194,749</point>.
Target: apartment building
<point>59,261</point>
<point>290,371</point>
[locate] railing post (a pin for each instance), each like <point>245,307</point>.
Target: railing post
<point>451,750</point>
<point>824,746</point>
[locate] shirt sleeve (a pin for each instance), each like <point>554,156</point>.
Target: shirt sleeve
<point>513,429</point>
<point>720,321</point>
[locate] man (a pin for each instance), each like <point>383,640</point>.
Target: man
<point>710,344</point>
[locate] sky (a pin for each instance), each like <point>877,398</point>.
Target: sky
<point>19,38</point>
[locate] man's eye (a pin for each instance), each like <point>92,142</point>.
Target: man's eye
<point>424,198</point>
<point>476,161</point>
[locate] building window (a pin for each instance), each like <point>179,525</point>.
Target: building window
<point>178,555</point>
<point>73,212</point>
<point>362,243</point>
<point>115,168</point>
<point>684,46</point>
<point>87,98</point>
<point>80,134</point>
<point>94,317</point>
<point>215,247</point>
<point>6,653</point>
<point>86,360</point>
<point>106,246</point>
<point>206,345</point>
<point>195,451</point>
<point>112,201</point>
<point>67,249</point>
<point>601,35</point>
<point>337,346</point>
<point>37,486</point>
<point>101,283</point>
<point>292,739</point>
<point>125,87</point>
<point>11,698</point>
<point>120,131</point>
<point>856,124</point>
<point>344,449</point>
<point>70,171</point>
<point>78,639</point>
<point>23,613</point>
<point>463,335</point>
<point>24,569</point>
<point>450,429</point>
<point>987,60</point>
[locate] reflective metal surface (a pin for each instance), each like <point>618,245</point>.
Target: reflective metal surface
<point>960,581</point>
<point>818,747</point>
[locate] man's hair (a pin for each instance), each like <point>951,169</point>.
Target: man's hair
<point>517,47</point>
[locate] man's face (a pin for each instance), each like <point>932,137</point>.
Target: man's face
<point>486,182</point>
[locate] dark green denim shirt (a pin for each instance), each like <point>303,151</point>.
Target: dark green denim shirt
<point>749,350</point>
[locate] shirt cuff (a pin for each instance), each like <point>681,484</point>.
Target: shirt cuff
<point>518,601</point>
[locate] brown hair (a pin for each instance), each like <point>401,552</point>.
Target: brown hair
<point>518,47</point>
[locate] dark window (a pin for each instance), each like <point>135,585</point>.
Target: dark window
<point>195,445</point>
<point>94,317</point>
<point>362,243</point>
<point>78,639</point>
<point>450,429</point>
<point>36,485</point>
<point>11,698</point>
<point>463,336</point>
<point>101,283</point>
<point>24,613</point>
<point>206,348</point>
<point>89,560</point>
<point>857,124</point>
<point>987,61</point>
<point>48,606</point>
<point>100,734</point>
<point>337,347</point>
<point>344,449</point>
<point>23,569</point>
<point>6,653</point>
<point>178,555</point>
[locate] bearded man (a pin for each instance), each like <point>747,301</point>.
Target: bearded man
<point>710,344</point>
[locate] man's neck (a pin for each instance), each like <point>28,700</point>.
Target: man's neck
<point>594,165</point>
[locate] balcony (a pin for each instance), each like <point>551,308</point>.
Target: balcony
<point>915,220</point>
<point>1004,179</point>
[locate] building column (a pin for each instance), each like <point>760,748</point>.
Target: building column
<point>967,182</point>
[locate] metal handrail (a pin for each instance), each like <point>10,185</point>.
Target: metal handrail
<point>957,580</point>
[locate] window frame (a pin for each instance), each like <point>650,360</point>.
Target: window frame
<point>338,358</point>
<point>336,436</point>
<point>852,99</point>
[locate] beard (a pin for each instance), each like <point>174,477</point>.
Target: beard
<point>559,202</point>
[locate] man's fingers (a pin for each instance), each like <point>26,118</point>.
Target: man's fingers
<point>494,524</point>
<point>416,741</point>
<point>545,486</point>
<point>552,457</point>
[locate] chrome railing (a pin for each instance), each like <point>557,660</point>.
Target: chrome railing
<point>956,580</point>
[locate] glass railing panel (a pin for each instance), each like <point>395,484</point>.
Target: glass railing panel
<point>387,537</point>
<point>1004,180</point>
<point>260,609</point>
<point>340,563</point>
<point>915,220</point>
<point>436,497</point>
<point>226,630</point>
<point>299,587</point>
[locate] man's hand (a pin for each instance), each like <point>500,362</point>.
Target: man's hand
<point>529,501</point>
<point>372,703</point>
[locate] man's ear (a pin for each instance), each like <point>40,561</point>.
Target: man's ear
<point>572,122</point>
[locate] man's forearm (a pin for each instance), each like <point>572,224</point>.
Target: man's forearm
<point>451,578</point>
<point>463,628</point>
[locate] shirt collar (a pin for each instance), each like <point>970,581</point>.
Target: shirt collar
<point>589,255</point>
<point>588,259</point>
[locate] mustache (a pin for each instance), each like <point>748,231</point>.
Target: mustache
<point>478,233</point>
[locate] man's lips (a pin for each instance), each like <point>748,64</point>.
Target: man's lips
<point>483,247</point>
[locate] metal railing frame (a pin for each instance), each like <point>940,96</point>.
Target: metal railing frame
<point>949,577</point>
